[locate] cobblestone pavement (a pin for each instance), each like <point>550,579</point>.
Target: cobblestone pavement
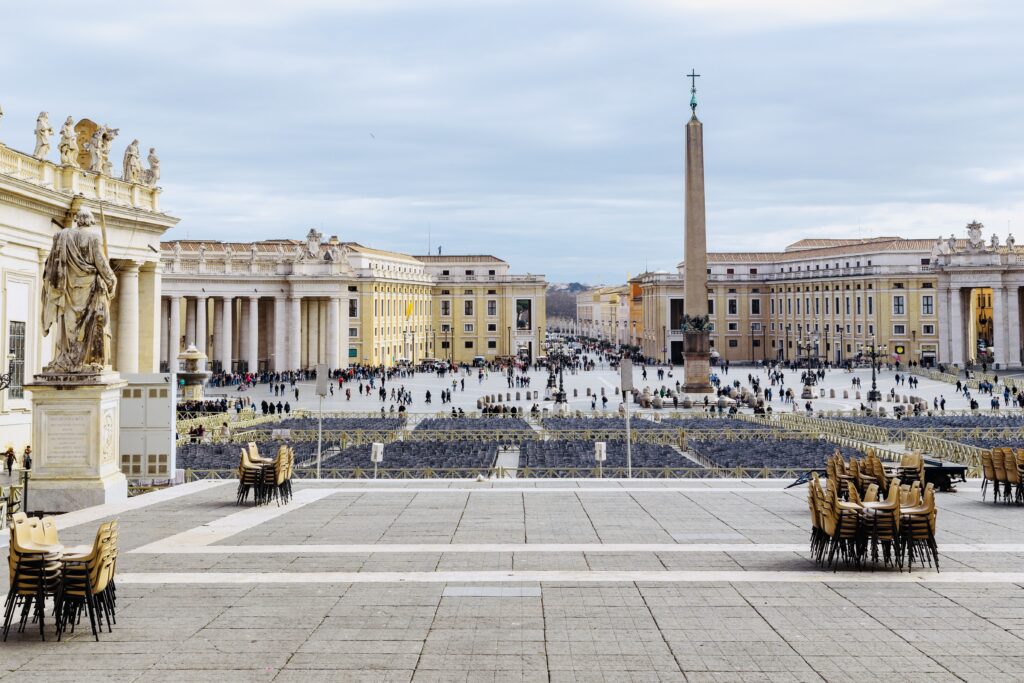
<point>553,580</point>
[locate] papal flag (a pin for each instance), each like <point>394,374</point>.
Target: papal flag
<point>408,309</point>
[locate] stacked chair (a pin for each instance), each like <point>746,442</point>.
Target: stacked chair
<point>851,524</point>
<point>79,579</point>
<point>266,479</point>
<point>1004,468</point>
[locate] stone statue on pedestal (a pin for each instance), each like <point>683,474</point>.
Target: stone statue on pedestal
<point>78,285</point>
<point>43,133</point>
<point>132,165</point>
<point>68,145</point>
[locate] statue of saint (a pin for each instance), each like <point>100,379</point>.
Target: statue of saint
<point>1010,242</point>
<point>994,242</point>
<point>153,173</point>
<point>78,285</point>
<point>43,133</point>
<point>132,166</point>
<point>107,136</point>
<point>68,146</point>
<point>95,149</point>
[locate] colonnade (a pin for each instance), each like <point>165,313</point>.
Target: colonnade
<point>253,333</point>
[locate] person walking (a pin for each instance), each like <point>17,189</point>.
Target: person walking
<point>9,456</point>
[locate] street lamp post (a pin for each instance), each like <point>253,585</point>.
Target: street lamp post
<point>6,380</point>
<point>874,350</point>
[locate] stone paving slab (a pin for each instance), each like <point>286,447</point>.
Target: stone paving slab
<point>246,601</point>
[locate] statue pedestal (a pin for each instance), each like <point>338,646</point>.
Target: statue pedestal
<point>697,363</point>
<point>75,435</point>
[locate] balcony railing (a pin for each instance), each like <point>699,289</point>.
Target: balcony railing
<point>72,181</point>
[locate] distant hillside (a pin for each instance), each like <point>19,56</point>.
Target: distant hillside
<point>561,299</point>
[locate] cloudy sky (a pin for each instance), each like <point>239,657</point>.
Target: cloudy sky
<point>549,133</point>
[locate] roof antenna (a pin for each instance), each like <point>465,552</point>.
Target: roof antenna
<point>429,248</point>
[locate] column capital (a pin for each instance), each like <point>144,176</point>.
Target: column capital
<point>128,266</point>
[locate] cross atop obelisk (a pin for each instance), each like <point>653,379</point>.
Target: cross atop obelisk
<point>696,352</point>
<point>693,76</point>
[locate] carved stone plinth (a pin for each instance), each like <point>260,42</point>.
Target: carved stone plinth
<point>75,435</point>
<point>697,363</point>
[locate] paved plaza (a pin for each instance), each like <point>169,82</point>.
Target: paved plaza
<point>596,380</point>
<point>549,580</point>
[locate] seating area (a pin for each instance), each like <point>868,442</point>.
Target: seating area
<point>582,424</point>
<point>266,479</point>
<point>1003,469</point>
<point>579,455</point>
<point>77,579</point>
<point>940,421</point>
<point>347,424</point>
<point>712,424</point>
<point>437,424</point>
<point>853,526</point>
<point>416,455</point>
<point>795,453</point>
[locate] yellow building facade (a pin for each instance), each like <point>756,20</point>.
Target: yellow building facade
<point>819,299</point>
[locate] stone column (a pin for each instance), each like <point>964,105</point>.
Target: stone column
<point>313,332</point>
<point>294,333</point>
<point>253,342</point>
<point>1013,326</point>
<point>202,338</point>
<point>280,354</point>
<point>150,318</point>
<point>226,336</point>
<point>956,327</point>
<point>218,329</point>
<point>128,317</point>
<point>165,310</point>
<point>243,329</point>
<point>174,334</point>
<point>333,350</point>
<point>190,321</point>
<point>999,336</point>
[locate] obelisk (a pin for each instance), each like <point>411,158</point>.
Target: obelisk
<point>696,342</point>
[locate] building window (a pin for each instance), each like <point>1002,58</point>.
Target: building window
<point>492,327</point>
<point>492,344</point>
<point>711,306</point>
<point>755,327</point>
<point>353,308</point>
<point>732,307</point>
<point>899,330</point>
<point>467,307</point>
<point>469,344</point>
<point>928,304</point>
<point>753,271</point>
<point>446,327</point>
<point>772,305</point>
<point>468,327</point>
<point>927,329</point>
<point>730,271</point>
<point>469,272</point>
<point>492,307</point>
<point>755,307</point>
<point>847,305</point>
<point>16,353</point>
<point>858,305</point>
<point>733,343</point>
<point>444,345</point>
<point>734,327</point>
<point>353,331</point>
<point>446,307</point>
<point>898,305</point>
